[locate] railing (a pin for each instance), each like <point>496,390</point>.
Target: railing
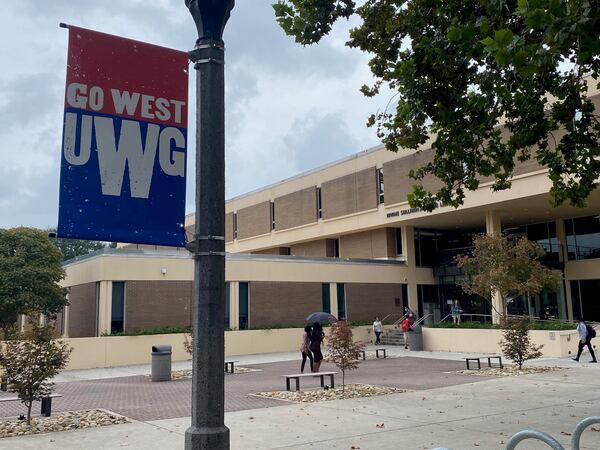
<point>392,315</point>
<point>546,438</point>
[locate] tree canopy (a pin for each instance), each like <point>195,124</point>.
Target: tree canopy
<point>486,83</point>
<point>71,248</point>
<point>499,264</point>
<point>30,269</point>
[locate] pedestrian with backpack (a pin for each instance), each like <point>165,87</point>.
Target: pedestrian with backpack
<point>586,334</point>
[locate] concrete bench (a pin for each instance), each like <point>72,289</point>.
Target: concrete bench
<point>297,377</point>
<point>46,409</point>
<point>362,354</point>
<point>489,361</point>
<point>230,366</point>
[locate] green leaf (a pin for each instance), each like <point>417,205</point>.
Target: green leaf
<point>453,34</point>
<point>502,57</point>
<point>503,37</point>
<point>489,42</point>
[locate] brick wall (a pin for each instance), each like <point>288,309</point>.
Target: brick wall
<point>283,303</point>
<point>254,220</point>
<point>321,247</point>
<point>365,301</point>
<point>152,304</point>
<point>295,209</point>
<point>82,310</point>
<point>378,243</point>
<point>349,194</point>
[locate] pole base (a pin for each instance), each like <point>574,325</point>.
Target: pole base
<point>204,438</point>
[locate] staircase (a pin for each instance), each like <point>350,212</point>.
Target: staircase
<point>393,336</point>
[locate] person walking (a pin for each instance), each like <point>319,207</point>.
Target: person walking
<point>586,334</point>
<point>377,329</point>
<point>315,345</point>
<point>406,327</point>
<point>305,349</point>
<point>456,311</point>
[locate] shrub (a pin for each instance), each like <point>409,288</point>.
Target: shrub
<point>30,359</point>
<point>516,342</point>
<point>343,351</point>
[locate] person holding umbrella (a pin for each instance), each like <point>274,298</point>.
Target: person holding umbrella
<point>315,345</point>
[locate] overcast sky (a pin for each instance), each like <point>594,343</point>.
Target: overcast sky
<point>288,108</point>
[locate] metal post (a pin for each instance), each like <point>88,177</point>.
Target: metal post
<point>208,430</point>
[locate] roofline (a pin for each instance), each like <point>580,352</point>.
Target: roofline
<point>174,254</point>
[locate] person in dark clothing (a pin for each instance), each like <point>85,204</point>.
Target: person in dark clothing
<point>315,345</point>
<point>586,334</point>
<point>305,349</point>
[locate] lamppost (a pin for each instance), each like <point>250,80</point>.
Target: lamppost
<point>208,430</point>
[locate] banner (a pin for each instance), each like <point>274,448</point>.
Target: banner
<point>123,162</point>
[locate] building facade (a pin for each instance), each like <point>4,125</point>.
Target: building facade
<point>343,238</point>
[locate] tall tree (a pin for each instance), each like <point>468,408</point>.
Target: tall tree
<point>71,248</point>
<point>494,81</point>
<point>30,270</point>
<point>499,264</point>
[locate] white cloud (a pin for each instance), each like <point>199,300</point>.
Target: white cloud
<point>289,108</point>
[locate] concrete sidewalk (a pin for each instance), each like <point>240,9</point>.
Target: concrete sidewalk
<point>479,415</point>
<point>396,351</point>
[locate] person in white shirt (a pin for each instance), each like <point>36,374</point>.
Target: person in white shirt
<point>586,334</point>
<point>377,329</point>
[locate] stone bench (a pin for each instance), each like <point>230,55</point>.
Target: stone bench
<point>297,377</point>
<point>489,361</point>
<point>362,354</point>
<point>230,366</point>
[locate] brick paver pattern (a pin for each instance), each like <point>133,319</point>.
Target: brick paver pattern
<point>139,398</point>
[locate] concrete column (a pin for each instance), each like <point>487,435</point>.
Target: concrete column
<point>65,321</point>
<point>333,299</point>
<point>408,248</point>
<point>234,305</point>
<point>563,257</point>
<point>104,307</point>
<point>493,226</point>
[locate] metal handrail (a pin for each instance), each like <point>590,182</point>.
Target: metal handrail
<point>391,314</point>
<point>400,320</point>
<point>546,438</point>
<point>421,320</point>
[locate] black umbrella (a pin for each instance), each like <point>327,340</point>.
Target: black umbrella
<point>320,317</point>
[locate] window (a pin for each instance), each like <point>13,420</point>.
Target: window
<point>243,308</point>
<point>326,297</point>
<point>227,306</point>
<point>398,242</point>
<point>319,204</point>
<point>272,215</point>
<point>583,237</point>
<point>380,187</point>
<point>235,225</point>
<point>341,300</point>
<point>117,315</point>
<point>336,251</point>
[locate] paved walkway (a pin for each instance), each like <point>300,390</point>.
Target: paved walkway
<point>138,398</point>
<point>466,416</point>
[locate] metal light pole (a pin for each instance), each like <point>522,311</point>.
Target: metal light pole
<point>208,430</point>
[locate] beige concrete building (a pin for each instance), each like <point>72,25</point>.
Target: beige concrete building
<point>342,238</point>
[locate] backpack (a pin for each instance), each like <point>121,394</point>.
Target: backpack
<point>591,332</point>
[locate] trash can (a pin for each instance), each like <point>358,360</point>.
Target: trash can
<point>415,339</point>
<point>161,362</point>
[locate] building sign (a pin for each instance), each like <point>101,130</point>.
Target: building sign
<point>124,143</point>
<point>403,212</point>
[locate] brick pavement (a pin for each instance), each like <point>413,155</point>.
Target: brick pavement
<point>140,399</point>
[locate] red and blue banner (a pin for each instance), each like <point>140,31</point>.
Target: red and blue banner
<point>123,162</point>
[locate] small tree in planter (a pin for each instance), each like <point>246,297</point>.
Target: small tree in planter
<point>30,360</point>
<point>342,349</point>
<point>516,342</point>
<point>499,264</point>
